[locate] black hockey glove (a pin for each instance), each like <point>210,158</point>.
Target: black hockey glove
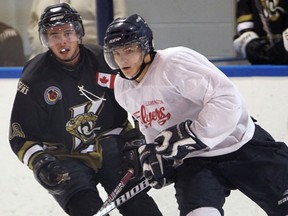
<point>157,170</point>
<point>277,53</point>
<point>257,51</point>
<point>49,172</point>
<point>130,156</point>
<point>178,141</point>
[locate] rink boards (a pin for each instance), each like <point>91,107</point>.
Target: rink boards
<point>265,89</point>
<point>229,70</point>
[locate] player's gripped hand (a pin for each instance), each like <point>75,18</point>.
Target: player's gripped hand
<point>130,155</point>
<point>50,173</point>
<point>152,164</point>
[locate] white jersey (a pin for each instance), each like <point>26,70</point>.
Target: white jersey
<point>182,84</point>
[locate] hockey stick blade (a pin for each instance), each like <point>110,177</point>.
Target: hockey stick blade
<point>118,188</point>
<point>124,198</point>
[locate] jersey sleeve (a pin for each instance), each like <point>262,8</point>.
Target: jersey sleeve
<point>220,104</point>
<point>25,127</point>
<point>244,16</point>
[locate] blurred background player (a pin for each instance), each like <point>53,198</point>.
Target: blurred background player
<point>262,31</point>
<point>86,8</point>
<point>66,124</point>
<point>11,47</point>
<point>192,115</point>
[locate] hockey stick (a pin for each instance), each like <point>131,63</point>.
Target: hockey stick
<point>118,188</point>
<point>124,198</point>
<point>264,21</point>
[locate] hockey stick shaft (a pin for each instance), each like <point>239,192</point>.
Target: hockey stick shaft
<point>118,188</point>
<point>124,198</point>
<point>264,21</point>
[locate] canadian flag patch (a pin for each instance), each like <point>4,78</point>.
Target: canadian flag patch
<point>105,79</point>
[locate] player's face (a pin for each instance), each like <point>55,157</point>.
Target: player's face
<point>63,42</point>
<point>129,59</point>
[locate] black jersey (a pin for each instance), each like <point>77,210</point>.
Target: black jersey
<point>275,12</point>
<point>64,108</point>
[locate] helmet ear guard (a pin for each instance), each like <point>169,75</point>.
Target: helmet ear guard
<point>57,15</point>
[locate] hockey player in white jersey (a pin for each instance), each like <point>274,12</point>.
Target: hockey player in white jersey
<point>192,115</point>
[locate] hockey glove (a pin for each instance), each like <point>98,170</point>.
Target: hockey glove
<point>178,141</point>
<point>257,51</point>
<point>49,172</point>
<point>240,41</point>
<point>285,39</point>
<point>130,156</point>
<point>251,47</point>
<point>159,172</point>
<point>278,52</point>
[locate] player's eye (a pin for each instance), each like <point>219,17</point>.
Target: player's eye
<point>115,53</point>
<point>69,32</point>
<point>54,36</point>
<point>131,50</point>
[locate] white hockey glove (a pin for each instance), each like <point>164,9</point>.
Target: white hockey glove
<point>285,39</point>
<point>240,42</point>
<point>157,170</point>
<point>177,141</point>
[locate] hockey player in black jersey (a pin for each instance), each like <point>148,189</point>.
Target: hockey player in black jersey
<point>262,31</point>
<point>66,124</point>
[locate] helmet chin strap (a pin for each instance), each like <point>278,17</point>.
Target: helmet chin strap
<point>143,65</point>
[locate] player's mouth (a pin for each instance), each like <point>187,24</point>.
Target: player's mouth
<point>64,50</point>
<point>125,68</point>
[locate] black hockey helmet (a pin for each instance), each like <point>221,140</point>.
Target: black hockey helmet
<point>57,15</point>
<point>125,31</point>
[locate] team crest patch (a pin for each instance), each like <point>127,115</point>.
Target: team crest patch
<point>52,95</point>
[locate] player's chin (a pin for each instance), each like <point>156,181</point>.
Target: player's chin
<point>67,59</point>
<point>63,57</point>
<point>128,72</point>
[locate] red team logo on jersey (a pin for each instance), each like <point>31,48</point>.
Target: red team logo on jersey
<point>158,115</point>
